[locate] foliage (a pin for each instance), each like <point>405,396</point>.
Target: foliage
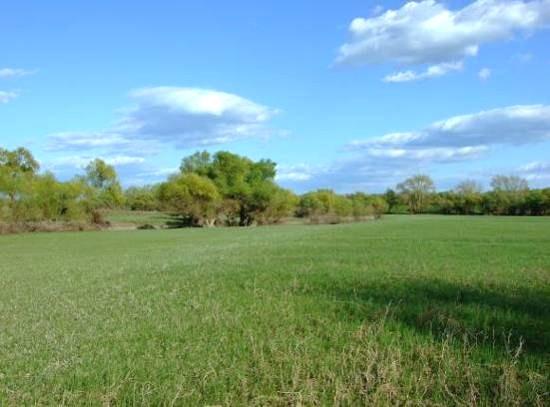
<point>103,178</point>
<point>144,198</point>
<point>391,198</point>
<point>193,195</point>
<point>247,192</point>
<point>27,196</point>
<point>416,192</point>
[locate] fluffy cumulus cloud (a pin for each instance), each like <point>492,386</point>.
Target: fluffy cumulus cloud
<point>182,117</point>
<point>6,97</point>
<point>427,32</point>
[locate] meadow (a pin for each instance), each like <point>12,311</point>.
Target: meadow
<point>418,310</point>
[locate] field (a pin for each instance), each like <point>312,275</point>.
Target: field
<point>408,309</point>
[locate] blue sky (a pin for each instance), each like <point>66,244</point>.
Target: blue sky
<point>351,95</point>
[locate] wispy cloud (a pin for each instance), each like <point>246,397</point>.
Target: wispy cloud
<point>6,97</point>
<point>535,171</point>
<point>81,161</point>
<point>86,140</point>
<point>484,74</point>
<point>513,125</point>
<point>15,72</point>
<point>432,71</point>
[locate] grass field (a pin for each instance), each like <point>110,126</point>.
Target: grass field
<point>125,219</point>
<point>420,310</point>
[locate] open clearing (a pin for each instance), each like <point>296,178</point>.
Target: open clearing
<point>425,309</point>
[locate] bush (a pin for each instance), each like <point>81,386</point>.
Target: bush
<point>146,226</point>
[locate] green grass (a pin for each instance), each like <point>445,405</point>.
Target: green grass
<point>132,219</point>
<point>420,310</point>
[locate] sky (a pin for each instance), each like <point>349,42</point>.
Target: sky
<point>350,95</point>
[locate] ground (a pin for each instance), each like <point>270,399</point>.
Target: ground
<point>420,309</point>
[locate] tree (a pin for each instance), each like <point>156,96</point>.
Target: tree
<point>468,187</point>
<point>193,196</point>
<point>143,198</point>
<point>508,194</point>
<point>19,160</point>
<point>391,199</point>
<point>247,187</point>
<point>468,197</point>
<point>17,170</point>
<point>325,206</point>
<point>198,163</point>
<point>416,192</point>
<point>103,177</point>
<point>360,205</point>
<point>379,206</point>
<point>534,203</point>
<point>511,184</point>
<point>282,203</point>
<point>100,175</point>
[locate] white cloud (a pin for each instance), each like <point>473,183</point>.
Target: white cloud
<point>445,154</point>
<point>293,176</point>
<point>120,160</point>
<point>6,97</point>
<point>380,162</point>
<point>14,72</point>
<point>85,140</point>
<point>432,71</point>
<point>535,166</point>
<point>512,125</point>
<point>81,161</point>
<point>296,173</point>
<point>427,32</point>
<point>535,171</point>
<point>184,117</point>
<point>484,74</point>
<point>194,117</point>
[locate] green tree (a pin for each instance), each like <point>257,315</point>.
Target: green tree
<point>468,197</point>
<point>143,198</point>
<point>193,196</point>
<point>247,187</point>
<point>19,160</point>
<point>416,192</point>
<point>391,199</point>
<point>17,168</point>
<point>325,206</point>
<point>511,184</point>
<point>103,178</point>
<point>508,194</point>
<point>198,163</point>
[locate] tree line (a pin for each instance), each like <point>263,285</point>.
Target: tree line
<point>231,190</point>
<point>509,195</point>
